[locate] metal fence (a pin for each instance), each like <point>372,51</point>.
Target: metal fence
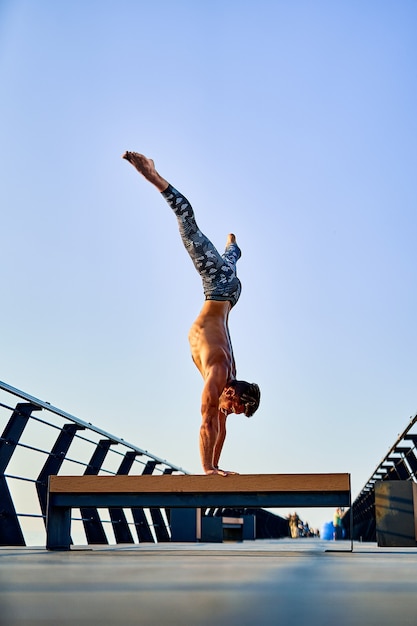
<point>400,463</point>
<point>39,440</point>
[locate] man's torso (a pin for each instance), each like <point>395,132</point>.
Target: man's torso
<point>210,340</point>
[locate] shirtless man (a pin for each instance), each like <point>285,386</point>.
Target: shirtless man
<point>209,337</point>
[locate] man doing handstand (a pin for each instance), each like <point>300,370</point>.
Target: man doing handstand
<point>209,337</point>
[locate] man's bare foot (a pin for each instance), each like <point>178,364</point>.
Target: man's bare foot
<point>230,239</point>
<point>146,167</point>
<point>220,472</point>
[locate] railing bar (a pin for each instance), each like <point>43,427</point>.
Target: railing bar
<point>82,463</point>
<point>29,480</point>
<point>112,450</point>
<point>104,521</point>
<point>88,425</point>
<point>77,436</point>
<point>81,519</point>
<point>84,519</point>
<point>25,445</point>
<point>81,437</point>
<point>71,460</point>
<point>139,461</point>
<point>119,452</point>
<point>5,406</point>
<point>38,419</point>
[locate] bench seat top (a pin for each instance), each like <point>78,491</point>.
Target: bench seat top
<point>187,483</point>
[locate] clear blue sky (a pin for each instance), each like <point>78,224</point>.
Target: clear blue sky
<point>292,124</point>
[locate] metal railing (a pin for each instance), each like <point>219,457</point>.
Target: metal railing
<point>400,463</point>
<point>39,440</point>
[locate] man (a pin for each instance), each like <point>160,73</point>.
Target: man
<point>209,337</point>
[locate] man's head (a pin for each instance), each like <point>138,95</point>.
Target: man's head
<point>249,395</point>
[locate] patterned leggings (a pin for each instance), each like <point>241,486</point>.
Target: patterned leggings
<point>218,272</point>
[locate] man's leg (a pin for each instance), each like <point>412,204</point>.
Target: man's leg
<point>218,272</point>
<point>232,251</point>
<point>202,252</point>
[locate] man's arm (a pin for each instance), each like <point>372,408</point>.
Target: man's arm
<point>221,436</point>
<point>210,425</point>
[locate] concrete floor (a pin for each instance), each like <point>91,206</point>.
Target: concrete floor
<point>253,583</point>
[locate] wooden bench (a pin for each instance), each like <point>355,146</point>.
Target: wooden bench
<point>288,491</point>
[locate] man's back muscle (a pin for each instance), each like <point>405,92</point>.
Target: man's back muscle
<point>210,342</point>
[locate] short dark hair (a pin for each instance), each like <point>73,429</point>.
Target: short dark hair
<point>249,394</point>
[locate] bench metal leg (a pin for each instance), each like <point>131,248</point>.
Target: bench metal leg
<point>212,529</point>
<point>249,528</point>
<point>185,525</point>
<point>58,528</point>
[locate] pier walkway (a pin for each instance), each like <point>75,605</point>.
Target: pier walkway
<point>252,583</point>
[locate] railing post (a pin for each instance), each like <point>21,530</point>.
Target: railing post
<point>54,462</point>
<point>168,470</point>
<point>141,523</point>
<point>159,525</point>
<point>142,527</point>
<point>10,530</point>
<point>121,528</point>
<point>91,520</point>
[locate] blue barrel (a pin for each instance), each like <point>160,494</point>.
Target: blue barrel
<point>327,531</point>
